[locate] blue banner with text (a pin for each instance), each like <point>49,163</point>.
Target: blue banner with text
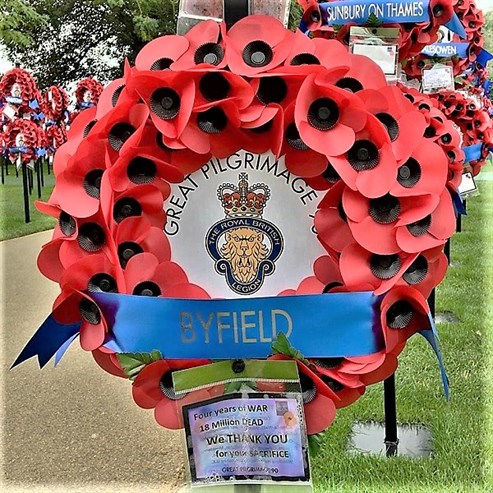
<point>325,325</point>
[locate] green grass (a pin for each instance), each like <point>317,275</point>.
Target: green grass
<point>462,428</point>
<point>12,221</point>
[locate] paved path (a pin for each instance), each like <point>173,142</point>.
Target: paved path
<point>74,428</point>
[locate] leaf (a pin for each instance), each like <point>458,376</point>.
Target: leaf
<point>373,21</point>
<point>315,443</point>
<point>281,345</point>
<point>133,363</point>
<point>232,387</point>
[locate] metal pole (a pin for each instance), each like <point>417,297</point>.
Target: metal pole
<point>2,160</point>
<point>41,162</point>
<point>26,193</point>
<point>431,303</point>
<point>446,250</point>
<point>391,439</point>
<point>38,176</point>
<point>31,182</point>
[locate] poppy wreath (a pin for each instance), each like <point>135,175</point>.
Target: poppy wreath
<point>385,215</point>
<point>473,121</point>
<point>55,103</point>
<point>472,20</point>
<point>28,90</point>
<point>34,139</point>
<point>84,86</point>
<point>56,135</point>
<point>413,37</point>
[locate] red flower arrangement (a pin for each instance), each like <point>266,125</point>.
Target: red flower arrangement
<point>22,139</point>
<point>472,20</point>
<point>379,159</point>
<point>473,121</point>
<point>17,89</point>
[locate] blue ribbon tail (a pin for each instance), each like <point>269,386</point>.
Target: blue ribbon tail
<point>303,27</point>
<point>47,340</point>
<point>431,335</point>
<point>455,25</point>
<point>59,354</point>
<point>484,57</point>
<point>458,204</point>
<point>34,105</point>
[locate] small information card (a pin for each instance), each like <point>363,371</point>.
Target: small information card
<point>238,438</point>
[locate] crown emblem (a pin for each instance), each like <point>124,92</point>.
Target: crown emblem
<point>243,200</point>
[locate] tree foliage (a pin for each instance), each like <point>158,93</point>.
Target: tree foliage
<point>488,31</point>
<point>83,38</point>
<point>62,41</point>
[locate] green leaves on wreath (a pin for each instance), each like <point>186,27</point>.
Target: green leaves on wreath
<point>373,21</point>
<point>134,363</point>
<point>281,345</point>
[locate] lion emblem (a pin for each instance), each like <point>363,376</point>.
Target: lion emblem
<point>244,250</point>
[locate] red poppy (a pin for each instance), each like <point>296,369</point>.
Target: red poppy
<point>73,306</point>
<point>153,389</point>
<point>360,267</point>
<point>371,368</point>
<point>215,130</point>
<point>169,97</point>
<point>140,166</point>
<point>79,185</point>
<point>140,200</point>
<point>425,172</point>
<point>96,273</point>
<point>179,161</point>
<point>146,276</point>
<point>311,15</point>
<point>404,311</point>
<point>369,166</point>
<point>87,236</point>
<point>405,124</point>
<point>375,223</point>
<point>265,133</point>
<point>161,52</point>
<point>319,400</point>
<point>118,125</point>
<point>113,94</point>
<point>318,54</point>
<point>79,129</point>
<point>441,10</point>
<point>299,158</point>
<point>326,270</point>
<point>256,44</point>
<point>363,74</point>
<point>427,271</point>
<point>348,388</point>
<point>331,220</point>
<point>430,230</point>
<point>220,85</point>
<point>205,50</point>
<point>108,361</point>
<point>136,235</point>
<point>328,117</point>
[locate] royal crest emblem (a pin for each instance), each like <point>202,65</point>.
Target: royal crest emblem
<point>243,245</point>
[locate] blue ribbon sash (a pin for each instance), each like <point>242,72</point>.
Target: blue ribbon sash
<point>388,12</point>
<point>327,325</point>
